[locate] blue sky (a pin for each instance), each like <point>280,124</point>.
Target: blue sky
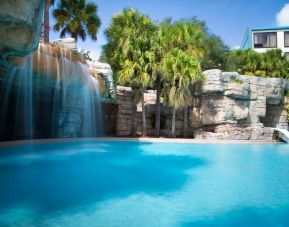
<point>225,18</point>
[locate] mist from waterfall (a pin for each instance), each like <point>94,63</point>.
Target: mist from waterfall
<point>49,94</point>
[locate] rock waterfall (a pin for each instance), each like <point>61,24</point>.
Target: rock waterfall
<point>49,94</point>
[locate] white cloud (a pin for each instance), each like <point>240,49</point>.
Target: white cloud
<point>236,48</point>
<point>282,18</point>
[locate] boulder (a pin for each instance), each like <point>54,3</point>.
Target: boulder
<point>233,132</point>
<point>20,23</point>
<point>104,75</point>
<point>212,84</point>
<point>217,109</point>
<point>66,43</point>
<point>276,117</point>
<point>271,88</point>
<point>238,89</point>
<point>257,109</point>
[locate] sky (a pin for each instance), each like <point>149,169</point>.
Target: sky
<point>228,19</point>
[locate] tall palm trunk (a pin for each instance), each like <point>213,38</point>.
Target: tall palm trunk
<point>46,20</point>
<point>134,110</point>
<point>174,122</point>
<point>185,132</point>
<point>158,106</point>
<point>133,120</point>
<point>144,125</point>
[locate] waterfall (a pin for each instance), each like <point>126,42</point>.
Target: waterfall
<point>49,94</point>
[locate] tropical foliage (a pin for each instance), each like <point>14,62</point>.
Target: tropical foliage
<point>180,65</point>
<point>130,50</point>
<point>77,18</point>
<point>165,56</point>
<point>270,64</point>
<point>180,69</point>
<point>215,52</point>
<point>169,56</point>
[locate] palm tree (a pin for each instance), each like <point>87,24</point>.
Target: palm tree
<point>76,18</point>
<point>186,36</point>
<point>275,64</point>
<point>162,47</point>
<point>48,3</point>
<point>180,69</point>
<point>130,41</point>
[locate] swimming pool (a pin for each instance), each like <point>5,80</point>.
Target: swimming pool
<point>108,183</point>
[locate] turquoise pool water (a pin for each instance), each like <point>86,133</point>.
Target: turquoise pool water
<point>144,184</point>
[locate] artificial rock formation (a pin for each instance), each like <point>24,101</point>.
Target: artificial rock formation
<point>20,23</point>
<point>47,57</point>
<point>225,106</point>
<point>57,85</point>
<point>103,73</point>
<point>233,106</point>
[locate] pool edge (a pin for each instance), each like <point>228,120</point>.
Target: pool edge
<point>144,139</point>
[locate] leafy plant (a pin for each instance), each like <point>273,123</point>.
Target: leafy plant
<point>249,62</point>
<point>130,50</point>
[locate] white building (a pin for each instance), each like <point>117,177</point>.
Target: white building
<point>263,39</point>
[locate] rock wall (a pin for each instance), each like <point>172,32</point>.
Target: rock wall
<point>109,110</point>
<point>233,106</point>
<point>55,84</point>
<point>20,23</point>
<point>103,73</point>
<point>226,106</point>
<point>124,121</point>
<point>124,118</point>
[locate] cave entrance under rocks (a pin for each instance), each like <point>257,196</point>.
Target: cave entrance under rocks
<point>276,117</point>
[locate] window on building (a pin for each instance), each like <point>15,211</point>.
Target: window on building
<point>286,39</point>
<point>265,40</point>
<point>287,55</point>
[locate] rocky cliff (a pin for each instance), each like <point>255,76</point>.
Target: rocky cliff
<point>20,23</point>
<point>225,106</point>
<point>103,73</point>
<point>232,106</point>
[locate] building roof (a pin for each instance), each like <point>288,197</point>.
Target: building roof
<point>270,28</point>
<point>247,40</point>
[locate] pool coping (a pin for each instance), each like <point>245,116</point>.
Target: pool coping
<point>141,139</point>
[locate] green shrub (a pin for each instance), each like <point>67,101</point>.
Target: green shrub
<point>248,62</point>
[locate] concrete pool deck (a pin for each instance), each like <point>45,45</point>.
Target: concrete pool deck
<point>140,139</point>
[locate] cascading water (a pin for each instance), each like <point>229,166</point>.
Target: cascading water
<point>49,94</point>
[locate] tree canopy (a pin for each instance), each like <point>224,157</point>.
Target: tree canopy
<point>77,18</point>
<point>269,64</point>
